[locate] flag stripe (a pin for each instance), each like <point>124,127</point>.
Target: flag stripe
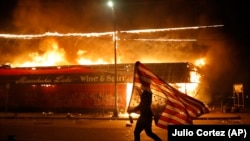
<point>179,117</point>
<point>145,81</point>
<point>170,106</point>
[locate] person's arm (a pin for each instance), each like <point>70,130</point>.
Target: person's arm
<point>134,110</point>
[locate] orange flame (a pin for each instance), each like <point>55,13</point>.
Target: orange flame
<point>83,61</point>
<point>53,55</point>
<point>200,62</point>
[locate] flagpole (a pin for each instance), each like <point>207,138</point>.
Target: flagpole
<point>110,4</point>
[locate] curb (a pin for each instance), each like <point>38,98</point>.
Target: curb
<point>60,116</point>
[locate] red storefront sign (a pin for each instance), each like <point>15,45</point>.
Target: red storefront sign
<point>60,89</point>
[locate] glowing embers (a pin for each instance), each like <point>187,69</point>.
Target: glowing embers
<point>53,34</point>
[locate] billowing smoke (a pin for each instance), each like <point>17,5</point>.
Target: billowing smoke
<point>66,16</point>
<point>40,16</point>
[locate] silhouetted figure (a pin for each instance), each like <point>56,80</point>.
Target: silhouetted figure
<point>145,119</point>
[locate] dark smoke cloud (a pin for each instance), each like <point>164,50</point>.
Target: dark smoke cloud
<point>84,16</point>
<point>40,16</point>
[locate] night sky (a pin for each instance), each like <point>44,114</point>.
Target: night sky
<point>227,46</point>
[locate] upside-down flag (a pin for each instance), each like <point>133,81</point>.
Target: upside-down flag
<point>169,105</point>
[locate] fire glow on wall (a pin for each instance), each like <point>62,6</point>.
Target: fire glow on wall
<point>81,88</point>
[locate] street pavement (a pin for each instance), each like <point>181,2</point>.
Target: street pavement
<point>69,127</point>
<point>90,127</point>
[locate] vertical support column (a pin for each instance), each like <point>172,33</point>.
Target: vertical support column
<point>238,94</point>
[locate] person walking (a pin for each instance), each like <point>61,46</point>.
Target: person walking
<point>145,119</point>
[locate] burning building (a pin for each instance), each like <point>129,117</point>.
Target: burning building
<point>82,88</point>
<point>43,33</point>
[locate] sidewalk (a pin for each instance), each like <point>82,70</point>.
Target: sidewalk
<point>100,116</point>
<point>51,115</point>
<point>219,115</point>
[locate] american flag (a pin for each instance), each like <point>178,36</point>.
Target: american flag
<point>169,105</point>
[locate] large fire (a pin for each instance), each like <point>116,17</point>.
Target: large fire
<point>51,54</point>
<point>83,61</point>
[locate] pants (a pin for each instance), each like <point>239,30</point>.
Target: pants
<point>144,124</point>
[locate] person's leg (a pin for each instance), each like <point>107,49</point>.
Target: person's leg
<point>149,132</point>
<point>138,130</point>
